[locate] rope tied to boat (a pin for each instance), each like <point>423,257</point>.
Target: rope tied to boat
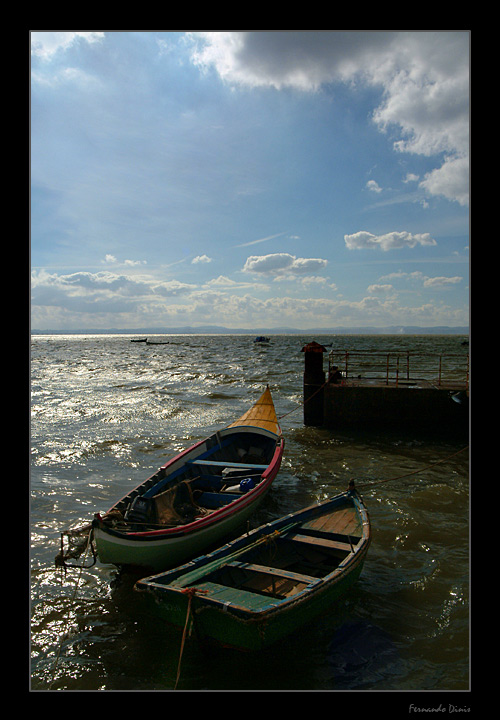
<point>190,592</point>
<point>73,598</point>
<point>76,548</point>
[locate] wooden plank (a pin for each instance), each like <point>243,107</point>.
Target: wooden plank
<point>346,522</point>
<point>278,572</point>
<point>320,542</point>
<point>227,464</point>
<point>241,598</point>
<point>340,521</point>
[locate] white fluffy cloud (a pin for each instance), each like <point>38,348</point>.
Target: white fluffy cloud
<point>440,282</point>
<point>46,44</point>
<point>450,180</point>
<point>389,241</point>
<point>101,291</point>
<point>104,300</point>
<point>424,77</point>
<point>279,263</point>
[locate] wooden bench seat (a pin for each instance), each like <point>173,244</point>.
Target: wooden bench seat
<point>321,542</point>
<point>227,464</point>
<point>235,596</point>
<point>278,572</point>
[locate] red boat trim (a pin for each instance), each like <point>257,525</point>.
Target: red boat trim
<point>232,508</point>
<point>163,467</point>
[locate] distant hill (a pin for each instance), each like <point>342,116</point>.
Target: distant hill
<point>216,329</point>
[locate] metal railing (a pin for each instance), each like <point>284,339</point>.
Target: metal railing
<point>443,370</point>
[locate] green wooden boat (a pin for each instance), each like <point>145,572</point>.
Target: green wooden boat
<point>267,583</point>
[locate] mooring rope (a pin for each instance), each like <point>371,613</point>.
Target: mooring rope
<point>73,598</point>
<point>190,592</point>
<point>301,404</point>
<point>414,472</point>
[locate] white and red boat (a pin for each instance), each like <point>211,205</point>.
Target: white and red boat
<point>195,500</point>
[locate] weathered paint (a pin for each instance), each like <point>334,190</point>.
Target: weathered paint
<point>239,618</point>
<point>167,547</point>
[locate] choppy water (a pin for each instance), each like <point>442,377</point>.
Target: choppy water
<point>107,412</point>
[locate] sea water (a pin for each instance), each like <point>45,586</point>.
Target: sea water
<point>107,412</point>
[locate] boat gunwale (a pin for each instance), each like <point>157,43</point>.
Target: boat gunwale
<point>347,565</point>
<point>221,513</point>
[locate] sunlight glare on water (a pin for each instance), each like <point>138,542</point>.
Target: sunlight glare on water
<point>106,413</point>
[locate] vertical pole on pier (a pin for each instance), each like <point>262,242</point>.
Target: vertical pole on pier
<point>314,381</point>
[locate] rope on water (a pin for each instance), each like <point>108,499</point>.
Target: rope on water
<point>415,472</point>
<point>190,592</point>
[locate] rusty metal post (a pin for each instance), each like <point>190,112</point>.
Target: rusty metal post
<point>314,383</point>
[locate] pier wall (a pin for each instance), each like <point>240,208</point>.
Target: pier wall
<point>394,407</point>
<point>377,403</point>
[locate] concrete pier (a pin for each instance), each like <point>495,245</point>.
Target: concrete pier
<point>393,400</point>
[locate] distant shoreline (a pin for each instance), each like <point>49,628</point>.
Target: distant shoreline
<point>216,330</point>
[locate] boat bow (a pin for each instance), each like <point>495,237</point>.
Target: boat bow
<point>262,414</point>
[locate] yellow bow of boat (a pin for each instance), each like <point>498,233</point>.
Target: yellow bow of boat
<point>262,414</point>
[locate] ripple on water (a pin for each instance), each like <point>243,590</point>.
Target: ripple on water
<point>107,413</point>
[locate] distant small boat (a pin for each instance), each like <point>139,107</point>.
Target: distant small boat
<point>262,339</point>
<point>153,342</point>
<point>139,340</point>
<point>266,584</point>
<point>195,500</point>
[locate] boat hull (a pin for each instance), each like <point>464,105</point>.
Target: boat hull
<point>223,478</point>
<point>193,502</point>
<point>172,549</point>
<point>249,620</point>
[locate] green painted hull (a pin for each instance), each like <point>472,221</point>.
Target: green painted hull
<point>247,619</point>
<point>249,632</point>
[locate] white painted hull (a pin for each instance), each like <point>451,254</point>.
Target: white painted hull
<point>169,551</point>
<point>171,545</point>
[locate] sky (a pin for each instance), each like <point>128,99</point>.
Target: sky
<point>301,179</point>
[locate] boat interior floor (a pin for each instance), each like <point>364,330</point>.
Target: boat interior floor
<point>281,568</point>
<point>284,565</point>
<point>186,500</point>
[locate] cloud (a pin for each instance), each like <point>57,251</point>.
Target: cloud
<point>92,300</point>
<point>439,282</point>
<point>47,44</point>
<point>435,283</point>
<point>424,78</point>
<point>100,292</point>
<point>450,180</point>
<point>389,241</point>
<point>380,289</point>
<point>201,259</point>
<point>261,240</point>
<point>303,60</point>
<point>279,263</point>
<point>112,260</point>
<point>373,186</point>
<point>224,283</point>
